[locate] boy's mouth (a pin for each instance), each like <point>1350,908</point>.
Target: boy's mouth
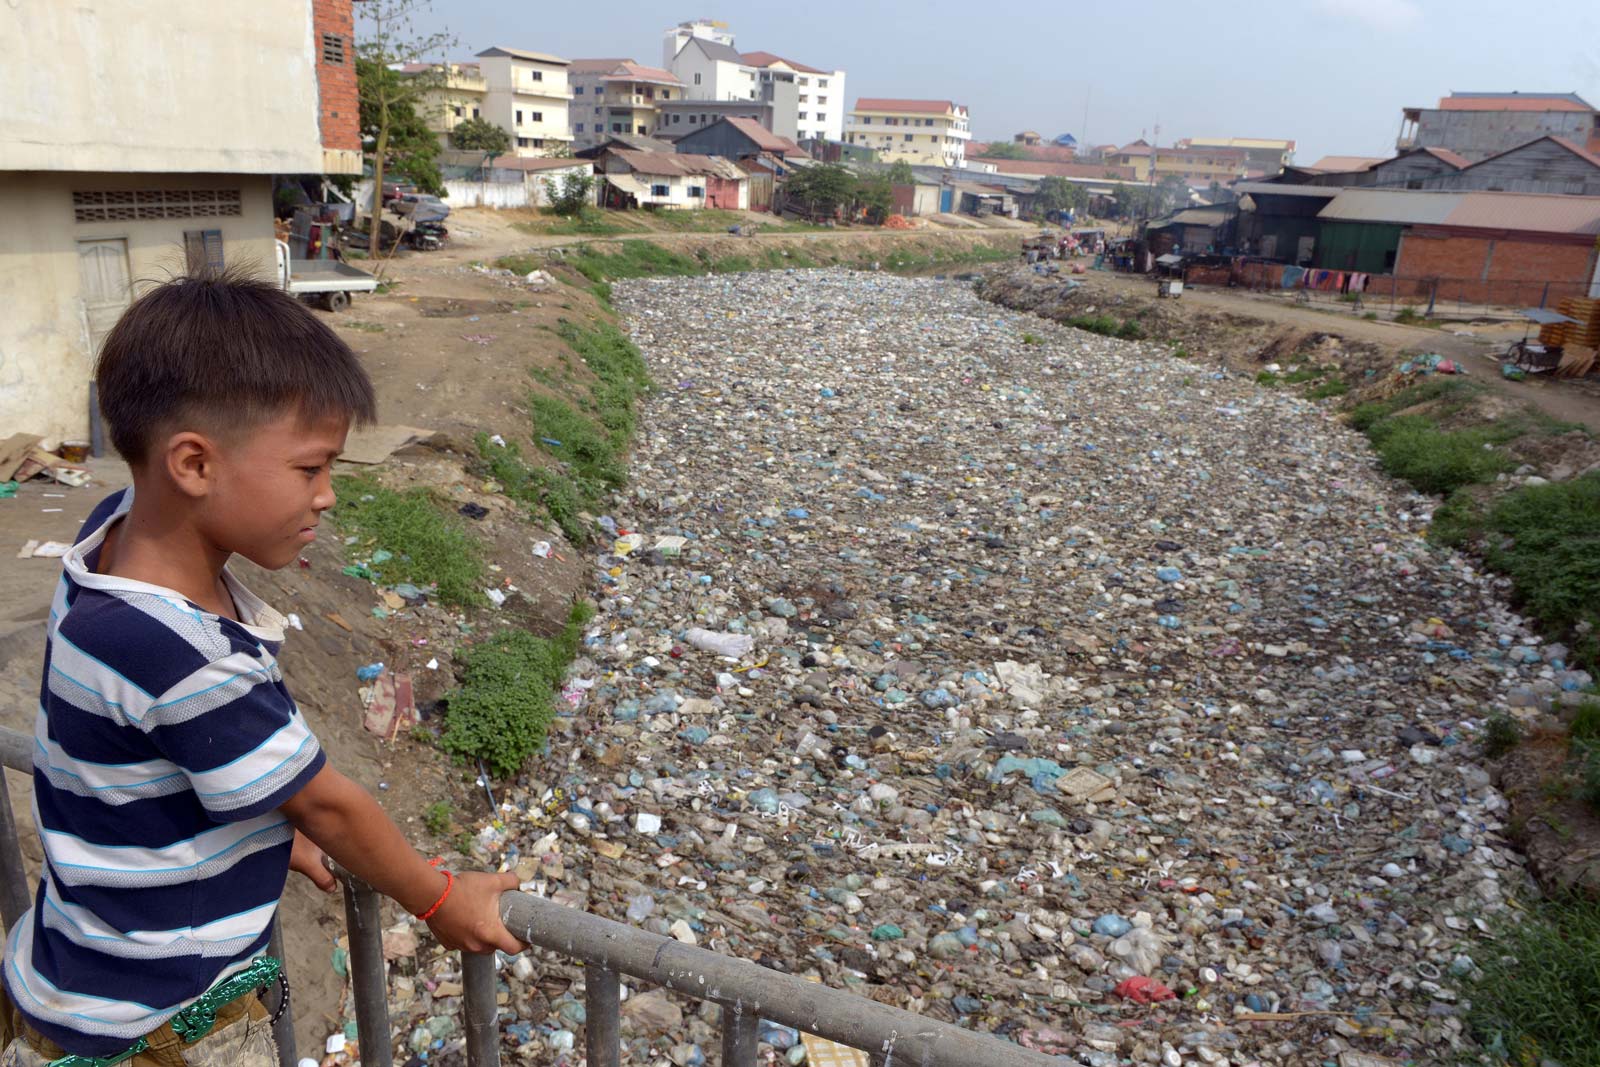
<point>308,533</point>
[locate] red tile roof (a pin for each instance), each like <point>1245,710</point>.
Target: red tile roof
<point>595,66</point>
<point>1458,162</point>
<point>631,71</point>
<point>1513,102</point>
<point>884,103</point>
<point>767,59</point>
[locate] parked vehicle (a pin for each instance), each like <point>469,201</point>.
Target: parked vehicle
<point>328,282</point>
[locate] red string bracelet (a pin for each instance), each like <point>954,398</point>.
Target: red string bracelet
<point>450,883</point>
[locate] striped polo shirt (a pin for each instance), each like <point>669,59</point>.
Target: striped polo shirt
<point>164,744</point>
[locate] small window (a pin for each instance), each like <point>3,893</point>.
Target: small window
<point>697,192</point>
<point>577,90</point>
<point>697,78</point>
<point>802,115</point>
<point>909,136</point>
<point>459,110</point>
<point>822,100</point>
<point>660,190</point>
<point>805,81</point>
<point>202,249</point>
<point>666,94</point>
<point>677,119</point>
<point>822,83</point>
<point>519,117</point>
<point>536,116</point>
<point>536,75</point>
<point>692,119</point>
<point>597,111</point>
<point>333,49</point>
<point>524,142</point>
<point>616,127</point>
<point>579,129</point>
<point>476,114</point>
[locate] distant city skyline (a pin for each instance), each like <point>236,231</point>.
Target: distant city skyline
<point>1330,74</point>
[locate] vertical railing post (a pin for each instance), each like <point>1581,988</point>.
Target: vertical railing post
<point>283,1029</point>
<point>740,1030</point>
<point>363,917</point>
<point>13,878</point>
<point>602,1029</point>
<point>478,988</point>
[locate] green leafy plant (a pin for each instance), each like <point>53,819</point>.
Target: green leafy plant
<point>480,135</point>
<point>1500,735</point>
<point>1325,390</point>
<point>1437,461</point>
<point>502,711</point>
<point>427,545</point>
<point>437,817</point>
<point>1032,339</point>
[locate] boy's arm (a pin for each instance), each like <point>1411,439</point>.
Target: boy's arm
<point>344,820</point>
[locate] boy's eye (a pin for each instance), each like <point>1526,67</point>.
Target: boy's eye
<point>312,472</point>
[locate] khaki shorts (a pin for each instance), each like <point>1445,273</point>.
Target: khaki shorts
<point>241,1038</point>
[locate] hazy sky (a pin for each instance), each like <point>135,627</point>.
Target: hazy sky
<point>1332,74</point>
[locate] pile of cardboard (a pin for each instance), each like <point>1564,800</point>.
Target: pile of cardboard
<point>21,458</point>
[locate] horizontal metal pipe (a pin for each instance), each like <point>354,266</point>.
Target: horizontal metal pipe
<point>890,1033</point>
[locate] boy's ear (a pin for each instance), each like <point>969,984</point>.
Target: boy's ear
<point>191,461</point>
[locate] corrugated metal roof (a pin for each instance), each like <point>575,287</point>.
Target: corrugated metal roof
<point>1326,192</point>
<point>1391,205</point>
<point>518,53</point>
<point>1203,216</point>
<point>1532,212</point>
<point>1514,102</point>
<point>1528,211</point>
<point>1344,163</point>
<point>683,163</point>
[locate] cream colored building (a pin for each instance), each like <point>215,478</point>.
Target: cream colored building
<point>527,94</point>
<point>927,132</point>
<point>130,144</point>
<point>459,96</point>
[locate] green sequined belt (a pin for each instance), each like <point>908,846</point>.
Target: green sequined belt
<point>196,1020</point>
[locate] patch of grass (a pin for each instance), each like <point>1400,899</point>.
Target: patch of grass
<point>429,545</point>
<point>1301,375</point>
<point>1408,316</point>
<point>620,370</point>
<point>1533,998</point>
<point>588,221</point>
<point>1415,450</point>
<point>1588,774</point>
<point>502,711</point>
<point>364,327</point>
<point>592,455</point>
<point>1269,379</point>
<point>1370,316</point>
<point>1179,352</point>
<point>733,265</point>
<point>551,493</point>
<point>523,264</point>
<point>1326,390</point>
<point>1501,735</point>
<point>631,259</point>
<point>436,817</point>
<point>1546,538</point>
<point>1032,339</point>
<point>1585,726</point>
<point>1455,393</point>
<point>1108,326</point>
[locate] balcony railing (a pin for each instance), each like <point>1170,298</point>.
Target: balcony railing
<point>608,950</point>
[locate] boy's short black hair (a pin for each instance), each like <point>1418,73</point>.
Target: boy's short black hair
<point>226,350</point>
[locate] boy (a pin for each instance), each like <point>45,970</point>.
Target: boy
<point>175,781</point>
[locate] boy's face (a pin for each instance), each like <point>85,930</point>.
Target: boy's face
<point>271,485</point>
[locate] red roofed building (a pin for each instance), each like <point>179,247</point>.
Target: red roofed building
<point>1481,125</point>
<point>926,132</point>
<point>615,97</point>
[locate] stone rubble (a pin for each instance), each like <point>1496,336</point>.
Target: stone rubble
<point>1076,694</point>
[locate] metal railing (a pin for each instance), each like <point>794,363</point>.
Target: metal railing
<point>747,993</point>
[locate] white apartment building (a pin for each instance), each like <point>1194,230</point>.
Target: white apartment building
<point>702,56</point>
<point>928,132</point>
<point>527,95</point>
<point>457,96</point>
<point>819,94</point>
<point>617,96</point>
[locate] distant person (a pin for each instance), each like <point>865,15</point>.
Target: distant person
<point>175,780</point>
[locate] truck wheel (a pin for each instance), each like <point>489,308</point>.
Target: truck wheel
<point>336,301</point>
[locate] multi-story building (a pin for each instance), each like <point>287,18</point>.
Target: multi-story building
<point>819,94</point>
<point>616,96</point>
<point>1479,125</point>
<point>1197,166</point>
<point>806,101</point>
<point>108,180</point>
<point>458,96</point>
<point>1264,156</point>
<point>929,132</point>
<point>526,94</point>
<point>772,109</point>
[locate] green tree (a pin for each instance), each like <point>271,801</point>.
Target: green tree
<point>391,129</point>
<point>575,193</point>
<point>900,173</point>
<point>1005,150</point>
<point>823,188</point>
<point>480,135</point>
<point>875,197</point>
<point>1058,194</point>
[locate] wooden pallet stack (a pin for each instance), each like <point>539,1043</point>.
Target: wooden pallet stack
<point>1580,340</point>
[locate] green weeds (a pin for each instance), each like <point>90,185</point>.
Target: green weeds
<point>502,711</point>
<point>1108,326</point>
<point>427,545</point>
<point>1533,997</point>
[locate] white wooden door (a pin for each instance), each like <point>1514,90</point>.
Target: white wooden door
<point>103,271</point>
